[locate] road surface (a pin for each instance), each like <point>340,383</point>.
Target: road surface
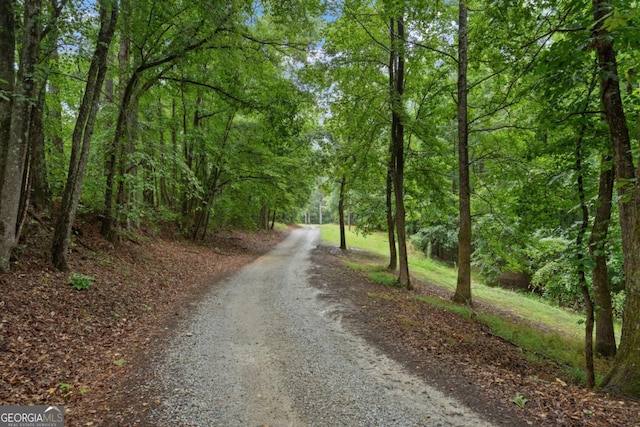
<point>263,350</point>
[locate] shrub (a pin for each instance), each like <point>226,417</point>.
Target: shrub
<point>440,240</point>
<point>80,281</point>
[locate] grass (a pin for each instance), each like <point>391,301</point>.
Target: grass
<point>376,243</point>
<point>543,330</point>
<point>280,226</point>
<point>383,278</point>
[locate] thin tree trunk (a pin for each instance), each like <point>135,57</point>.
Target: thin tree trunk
<point>343,238</point>
<point>624,377</point>
<point>7,79</point>
<point>15,146</point>
<point>397,135</point>
<point>55,104</point>
<point>114,163</point>
<point>25,192</point>
<point>150,186</point>
<point>206,224</point>
<point>605,335</point>
<point>160,188</point>
<point>463,286</point>
<point>391,222</point>
<point>41,196</point>
<point>580,260</point>
<point>82,133</point>
<point>175,156</point>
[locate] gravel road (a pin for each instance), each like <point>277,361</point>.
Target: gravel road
<point>263,350</point>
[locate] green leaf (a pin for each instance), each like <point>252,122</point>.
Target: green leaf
<point>519,400</point>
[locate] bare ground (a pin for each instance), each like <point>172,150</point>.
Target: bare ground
<point>90,350</point>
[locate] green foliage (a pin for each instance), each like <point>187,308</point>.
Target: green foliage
<point>552,273</point>
<point>80,281</point>
<point>556,281</point>
<point>383,278</point>
<point>519,400</point>
<point>444,235</point>
<point>66,389</point>
<point>120,362</point>
<point>217,127</point>
<point>618,300</point>
<point>498,247</point>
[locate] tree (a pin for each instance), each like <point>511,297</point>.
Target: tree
<point>82,134</point>
<point>396,80</point>
<point>343,238</point>
<point>7,82</point>
<point>358,88</point>
<point>36,188</point>
<point>389,195</point>
<point>581,258</point>
<point>16,127</point>
<point>156,58</point>
<point>463,286</point>
<point>605,335</point>
<point>624,376</point>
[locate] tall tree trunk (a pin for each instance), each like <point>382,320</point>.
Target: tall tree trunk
<point>273,219</point>
<point>82,133</point>
<point>264,216</point>
<point>580,260</point>
<point>463,286</point>
<point>55,104</point>
<point>40,194</point>
<point>125,93</point>
<point>7,79</point>
<point>605,335</point>
<point>396,75</point>
<point>343,238</point>
<point>14,148</point>
<point>624,377</point>
<point>391,223</point>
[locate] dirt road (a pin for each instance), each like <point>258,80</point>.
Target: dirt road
<point>263,349</point>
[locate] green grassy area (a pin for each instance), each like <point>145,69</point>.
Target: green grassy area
<point>376,243</point>
<point>280,226</point>
<point>541,329</point>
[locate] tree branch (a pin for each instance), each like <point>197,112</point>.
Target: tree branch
<point>217,89</point>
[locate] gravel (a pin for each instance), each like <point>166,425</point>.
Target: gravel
<point>264,350</point>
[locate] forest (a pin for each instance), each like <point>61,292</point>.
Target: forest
<point>500,136</point>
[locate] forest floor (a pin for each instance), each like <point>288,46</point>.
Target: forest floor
<point>89,349</point>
